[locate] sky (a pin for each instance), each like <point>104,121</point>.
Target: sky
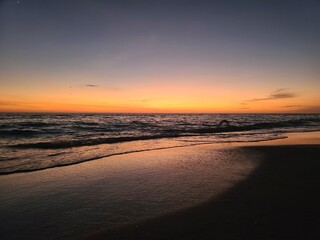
<point>179,56</point>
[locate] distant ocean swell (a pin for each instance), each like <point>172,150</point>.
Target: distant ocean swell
<point>167,133</point>
<point>32,142</point>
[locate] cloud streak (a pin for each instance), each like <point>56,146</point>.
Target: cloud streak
<point>91,85</point>
<point>291,106</point>
<point>280,93</point>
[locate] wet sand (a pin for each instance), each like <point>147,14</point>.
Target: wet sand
<point>73,201</point>
<point>279,200</point>
<point>266,190</point>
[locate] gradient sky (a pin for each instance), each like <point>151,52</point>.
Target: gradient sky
<point>160,56</point>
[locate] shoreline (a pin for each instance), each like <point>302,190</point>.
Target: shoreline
<point>310,137</point>
<point>279,200</point>
<point>197,192</point>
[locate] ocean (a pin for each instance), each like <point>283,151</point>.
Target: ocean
<point>36,141</point>
<point>51,200</point>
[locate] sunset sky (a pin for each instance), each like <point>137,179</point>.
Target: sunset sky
<point>160,56</point>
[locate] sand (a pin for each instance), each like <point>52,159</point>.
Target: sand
<point>266,190</point>
<point>74,201</point>
<point>279,200</point>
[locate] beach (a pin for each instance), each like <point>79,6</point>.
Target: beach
<point>262,190</point>
<point>279,200</point>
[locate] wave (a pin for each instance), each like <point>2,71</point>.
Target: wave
<point>168,133</point>
<point>86,142</point>
<point>19,132</point>
<point>258,126</point>
<point>21,168</point>
<point>4,171</point>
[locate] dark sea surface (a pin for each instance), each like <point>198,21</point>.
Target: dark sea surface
<point>31,142</point>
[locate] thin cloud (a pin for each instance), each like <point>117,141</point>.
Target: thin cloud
<point>281,90</point>
<point>291,106</point>
<point>91,85</point>
<point>280,93</point>
<point>283,95</point>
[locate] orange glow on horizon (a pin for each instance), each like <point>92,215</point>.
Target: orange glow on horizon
<point>156,105</point>
<point>168,95</point>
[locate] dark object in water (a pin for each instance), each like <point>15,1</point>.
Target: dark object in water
<point>224,122</point>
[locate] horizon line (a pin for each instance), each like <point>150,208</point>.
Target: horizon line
<point>142,113</point>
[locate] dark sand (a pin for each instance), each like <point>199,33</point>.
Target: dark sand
<point>279,200</point>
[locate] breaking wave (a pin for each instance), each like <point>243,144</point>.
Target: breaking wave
<point>32,142</point>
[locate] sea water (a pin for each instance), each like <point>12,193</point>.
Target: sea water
<point>35,141</point>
